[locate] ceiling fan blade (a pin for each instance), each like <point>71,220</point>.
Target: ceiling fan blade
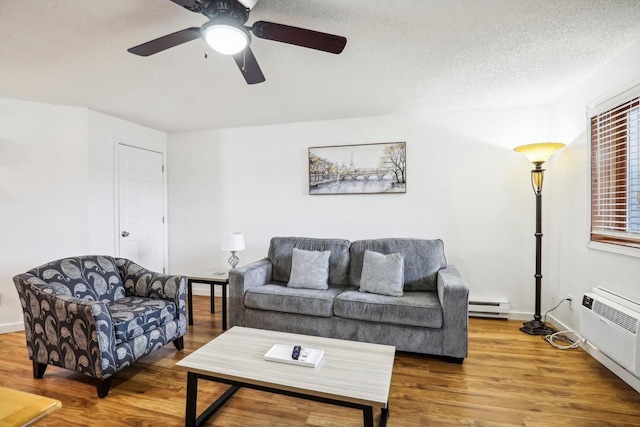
<point>166,42</point>
<point>249,66</point>
<point>299,36</point>
<point>191,5</point>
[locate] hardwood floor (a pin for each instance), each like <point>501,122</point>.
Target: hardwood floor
<point>509,379</point>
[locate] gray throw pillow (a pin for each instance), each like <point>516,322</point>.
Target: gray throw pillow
<point>309,269</point>
<point>382,274</point>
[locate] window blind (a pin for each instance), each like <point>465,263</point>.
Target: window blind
<point>615,174</point>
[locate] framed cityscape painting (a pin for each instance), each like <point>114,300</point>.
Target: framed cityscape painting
<point>358,169</point>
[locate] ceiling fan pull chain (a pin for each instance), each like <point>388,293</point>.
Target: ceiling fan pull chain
<point>244,60</point>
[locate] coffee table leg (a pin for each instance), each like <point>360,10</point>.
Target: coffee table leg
<point>384,415</point>
<point>368,416</point>
<point>192,400</point>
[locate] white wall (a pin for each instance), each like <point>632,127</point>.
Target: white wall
<point>464,185</point>
<point>43,192</point>
<point>575,269</point>
<point>57,179</point>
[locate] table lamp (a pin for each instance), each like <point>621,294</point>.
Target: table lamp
<point>233,242</point>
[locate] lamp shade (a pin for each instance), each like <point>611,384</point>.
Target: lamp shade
<point>233,242</point>
<point>539,152</point>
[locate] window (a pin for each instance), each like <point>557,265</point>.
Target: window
<point>615,172</point>
<point>633,192</point>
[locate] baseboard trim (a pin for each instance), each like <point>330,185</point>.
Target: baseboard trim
<point>517,315</point>
<point>11,327</point>
<point>618,370</point>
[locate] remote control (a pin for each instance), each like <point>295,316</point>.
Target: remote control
<point>304,354</point>
<point>296,352</point>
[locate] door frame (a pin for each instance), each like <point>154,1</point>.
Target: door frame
<point>117,143</point>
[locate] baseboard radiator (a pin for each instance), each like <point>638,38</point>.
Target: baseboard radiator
<point>488,308</point>
<point>610,323</point>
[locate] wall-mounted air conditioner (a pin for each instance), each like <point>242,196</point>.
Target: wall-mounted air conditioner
<point>610,323</point>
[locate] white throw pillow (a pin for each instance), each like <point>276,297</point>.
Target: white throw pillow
<point>309,269</point>
<point>382,274</point>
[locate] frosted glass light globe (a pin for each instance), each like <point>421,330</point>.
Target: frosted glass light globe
<point>226,39</point>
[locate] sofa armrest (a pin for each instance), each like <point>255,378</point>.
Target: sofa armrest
<point>141,282</point>
<point>257,273</point>
<point>453,293</point>
<point>65,331</point>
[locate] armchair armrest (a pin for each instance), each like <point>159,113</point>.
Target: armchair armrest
<point>253,275</point>
<point>141,282</point>
<point>453,293</point>
<point>66,331</point>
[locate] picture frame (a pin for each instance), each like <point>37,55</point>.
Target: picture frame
<point>378,168</point>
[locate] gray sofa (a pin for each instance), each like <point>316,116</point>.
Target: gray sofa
<point>430,317</point>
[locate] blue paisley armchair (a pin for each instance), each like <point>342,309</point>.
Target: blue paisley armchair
<point>99,314</point>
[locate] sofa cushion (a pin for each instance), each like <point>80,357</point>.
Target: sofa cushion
<point>93,278</point>
<point>422,260</point>
<point>134,316</point>
<point>309,269</point>
<point>281,250</point>
<point>382,274</point>
<point>413,308</point>
<point>279,297</point>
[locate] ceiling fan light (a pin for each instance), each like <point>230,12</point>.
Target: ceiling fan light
<point>226,39</point>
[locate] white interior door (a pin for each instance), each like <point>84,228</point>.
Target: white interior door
<point>141,207</point>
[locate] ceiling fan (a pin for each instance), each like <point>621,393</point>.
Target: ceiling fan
<point>226,33</point>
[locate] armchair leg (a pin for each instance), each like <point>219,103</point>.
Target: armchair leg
<point>38,369</point>
<point>179,343</point>
<point>103,387</point>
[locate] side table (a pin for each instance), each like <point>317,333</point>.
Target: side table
<point>214,278</point>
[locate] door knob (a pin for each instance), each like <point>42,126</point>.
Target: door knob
<point>125,233</point>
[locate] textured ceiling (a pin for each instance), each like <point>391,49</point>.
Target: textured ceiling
<point>401,56</point>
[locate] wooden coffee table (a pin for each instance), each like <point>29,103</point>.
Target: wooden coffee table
<point>351,374</point>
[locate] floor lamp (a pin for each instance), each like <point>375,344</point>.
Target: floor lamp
<point>538,154</point>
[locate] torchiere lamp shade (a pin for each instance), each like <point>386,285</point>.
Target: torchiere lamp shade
<point>539,152</point>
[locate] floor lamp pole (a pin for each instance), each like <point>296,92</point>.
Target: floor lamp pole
<point>537,326</point>
<point>538,153</point>
<point>538,274</point>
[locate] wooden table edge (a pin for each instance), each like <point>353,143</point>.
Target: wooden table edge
<point>266,384</point>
